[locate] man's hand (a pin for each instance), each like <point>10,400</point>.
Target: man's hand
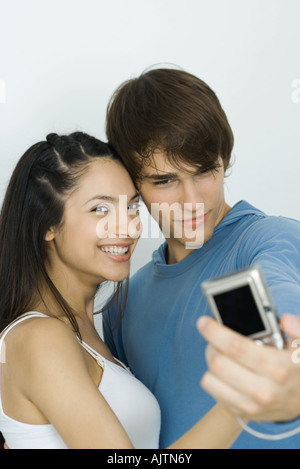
<point>258,381</point>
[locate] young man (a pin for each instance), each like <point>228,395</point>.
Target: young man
<point>176,142</point>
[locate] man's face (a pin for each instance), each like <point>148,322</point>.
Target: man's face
<point>197,199</point>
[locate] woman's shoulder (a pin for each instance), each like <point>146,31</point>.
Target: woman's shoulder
<point>39,335</point>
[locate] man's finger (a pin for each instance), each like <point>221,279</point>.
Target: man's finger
<point>291,325</point>
<point>256,388</point>
<point>225,394</point>
<point>263,360</point>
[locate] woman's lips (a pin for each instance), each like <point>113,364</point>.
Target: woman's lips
<point>117,252</point>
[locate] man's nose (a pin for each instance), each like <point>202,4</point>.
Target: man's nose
<point>191,194</point>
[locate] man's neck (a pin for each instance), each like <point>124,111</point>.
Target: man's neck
<point>177,251</point>
<point>176,254</point>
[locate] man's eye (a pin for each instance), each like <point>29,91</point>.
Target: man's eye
<point>163,182</point>
<point>203,172</point>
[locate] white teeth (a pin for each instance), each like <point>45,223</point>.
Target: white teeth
<point>117,251</point>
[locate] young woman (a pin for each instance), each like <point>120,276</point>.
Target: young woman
<point>64,230</point>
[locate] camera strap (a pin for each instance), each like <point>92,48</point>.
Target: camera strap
<point>265,436</point>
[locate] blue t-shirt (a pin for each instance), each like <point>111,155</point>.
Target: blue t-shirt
<point>157,336</point>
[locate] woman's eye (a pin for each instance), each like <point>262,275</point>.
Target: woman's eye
<point>134,206</point>
<point>133,209</point>
<point>101,210</point>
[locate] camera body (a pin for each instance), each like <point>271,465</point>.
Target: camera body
<point>241,301</point>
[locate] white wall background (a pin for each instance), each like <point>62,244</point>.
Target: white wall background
<point>60,61</point>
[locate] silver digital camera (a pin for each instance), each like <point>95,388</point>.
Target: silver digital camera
<point>241,301</point>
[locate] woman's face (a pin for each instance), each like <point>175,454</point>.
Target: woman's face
<point>100,226</point>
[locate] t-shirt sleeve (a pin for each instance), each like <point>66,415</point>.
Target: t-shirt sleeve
<point>274,244</point>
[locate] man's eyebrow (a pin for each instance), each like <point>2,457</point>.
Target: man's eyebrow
<point>160,177</point>
<point>108,198</point>
<point>163,176</point>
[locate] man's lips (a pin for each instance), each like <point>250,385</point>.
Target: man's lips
<point>195,221</point>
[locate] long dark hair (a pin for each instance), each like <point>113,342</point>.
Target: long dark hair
<point>34,202</point>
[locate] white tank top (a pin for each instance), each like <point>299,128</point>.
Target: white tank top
<point>134,405</point>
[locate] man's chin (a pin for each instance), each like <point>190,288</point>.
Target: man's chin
<point>197,241</point>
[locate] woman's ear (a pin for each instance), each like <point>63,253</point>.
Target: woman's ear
<point>50,235</point>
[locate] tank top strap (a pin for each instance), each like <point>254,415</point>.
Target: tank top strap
<point>21,318</point>
<point>99,359</point>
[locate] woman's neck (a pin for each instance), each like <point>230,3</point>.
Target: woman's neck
<point>80,299</point>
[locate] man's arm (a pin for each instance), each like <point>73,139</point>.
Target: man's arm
<point>261,381</point>
<point>274,244</point>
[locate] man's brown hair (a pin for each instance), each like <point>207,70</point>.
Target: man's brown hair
<point>172,111</point>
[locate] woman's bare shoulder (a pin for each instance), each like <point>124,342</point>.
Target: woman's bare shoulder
<point>40,336</point>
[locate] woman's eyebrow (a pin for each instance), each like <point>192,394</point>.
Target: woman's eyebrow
<point>109,198</point>
<point>135,196</point>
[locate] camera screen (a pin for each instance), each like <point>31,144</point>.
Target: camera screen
<point>238,311</point>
